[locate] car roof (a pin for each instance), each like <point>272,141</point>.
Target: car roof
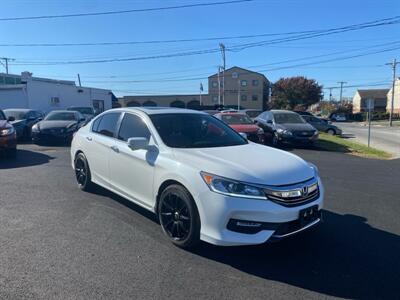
<point>63,111</point>
<point>281,111</point>
<point>149,110</point>
<point>19,109</point>
<point>231,113</point>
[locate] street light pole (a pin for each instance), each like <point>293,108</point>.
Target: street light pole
<point>341,89</point>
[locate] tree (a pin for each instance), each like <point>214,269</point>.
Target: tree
<point>288,93</point>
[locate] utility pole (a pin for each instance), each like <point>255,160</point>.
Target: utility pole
<point>79,80</point>
<point>330,94</point>
<point>393,65</point>
<point>222,47</point>
<point>238,94</point>
<point>341,89</point>
<point>219,86</point>
<point>6,60</point>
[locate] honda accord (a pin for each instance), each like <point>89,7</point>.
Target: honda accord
<point>187,167</point>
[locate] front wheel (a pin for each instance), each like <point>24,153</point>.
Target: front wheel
<point>331,132</point>
<point>275,140</point>
<point>179,217</point>
<point>82,173</point>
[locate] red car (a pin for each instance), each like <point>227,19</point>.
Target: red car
<point>8,136</point>
<point>241,122</point>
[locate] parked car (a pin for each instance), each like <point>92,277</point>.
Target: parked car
<point>322,125</point>
<point>87,112</point>
<point>337,117</point>
<point>190,169</point>
<point>240,122</point>
<point>283,126</point>
<point>252,113</point>
<point>24,119</point>
<point>8,136</point>
<point>58,126</point>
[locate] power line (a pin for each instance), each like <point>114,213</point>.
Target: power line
<point>164,8</point>
<point>239,47</point>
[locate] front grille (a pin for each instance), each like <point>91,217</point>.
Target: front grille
<point>296,194</point>
<point>303,133</point>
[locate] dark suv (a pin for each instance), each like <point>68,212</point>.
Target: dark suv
<point>283,126</point>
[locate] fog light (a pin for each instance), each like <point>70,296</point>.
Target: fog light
<point>247,224</point>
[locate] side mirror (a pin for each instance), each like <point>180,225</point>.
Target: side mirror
<point>82,119</point>
<point>244,135</point>
<point>270,122</point>
<point>10,119</point>
<point>138,143</point>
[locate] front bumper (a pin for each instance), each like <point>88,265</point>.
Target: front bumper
<point>297,139</point>
<point>60,137</point>
<point>8,142</point>
<point>217,211</point>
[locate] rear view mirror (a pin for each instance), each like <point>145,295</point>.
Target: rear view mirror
<point>138,143</point>
<point>10,119</point>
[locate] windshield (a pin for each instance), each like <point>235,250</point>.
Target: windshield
<point>195,131</point>
<point>286,118</point>
<point>17,114</point>
<point>61,116</point>
<point>82,110</point>
<point>236,119</point>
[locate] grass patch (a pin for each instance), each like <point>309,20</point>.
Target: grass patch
<point>328,142</point>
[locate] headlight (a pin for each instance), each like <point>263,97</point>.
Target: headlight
<point>231,187</point>
<point>35,128</point>
<point>260,131</point>
<point>316,132</point>
<point>7,131</point>
<point>284,132</point>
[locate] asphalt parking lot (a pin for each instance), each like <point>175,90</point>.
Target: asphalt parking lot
<point>58,242</point>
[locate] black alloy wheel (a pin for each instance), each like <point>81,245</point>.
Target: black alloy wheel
<point>82,173</point>
<point>275,140</point>
<point>179,217</point>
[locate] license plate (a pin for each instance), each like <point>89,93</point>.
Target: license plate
<point>307,215</point>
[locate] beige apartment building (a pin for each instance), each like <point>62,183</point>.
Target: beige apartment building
<point>244,87</point>
<point>361,97</point>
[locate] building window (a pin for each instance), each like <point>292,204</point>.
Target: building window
<point>214,99</point>
<point>235,75</point>
<point>243,82</point>
<point>255,82</point>
<point>243,97</point>
<point>254,97</point>
<point>55,101</point>
<point>214,84</point>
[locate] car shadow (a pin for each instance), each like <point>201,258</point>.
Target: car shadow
<point>343,257</point>
<point>25,158</point>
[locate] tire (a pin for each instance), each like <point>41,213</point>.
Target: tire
<point>82,173</point>
<point>331,131</point>
<point>179,217</point>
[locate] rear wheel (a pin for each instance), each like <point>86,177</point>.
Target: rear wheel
<point>11,153</point>
<point>331,131</point>
<point>179,217</point>
<point>82,173</point>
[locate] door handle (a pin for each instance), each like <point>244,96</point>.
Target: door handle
<point>89,138</point>
<point>115,149</point>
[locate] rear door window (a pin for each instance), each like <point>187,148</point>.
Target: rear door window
<point>107,125</point>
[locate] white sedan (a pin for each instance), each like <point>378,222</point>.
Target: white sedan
<point>202,179</point>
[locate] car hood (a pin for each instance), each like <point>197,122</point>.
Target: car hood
<point>3,123</point>
<point>244,127</point>
<point>250,163</point>
<point>55,124</point>
<point>18,122</point>
<point>296,127</point>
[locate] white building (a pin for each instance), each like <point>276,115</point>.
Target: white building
<point>26,91</point>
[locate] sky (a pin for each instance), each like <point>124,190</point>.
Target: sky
<point>183,74</point>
